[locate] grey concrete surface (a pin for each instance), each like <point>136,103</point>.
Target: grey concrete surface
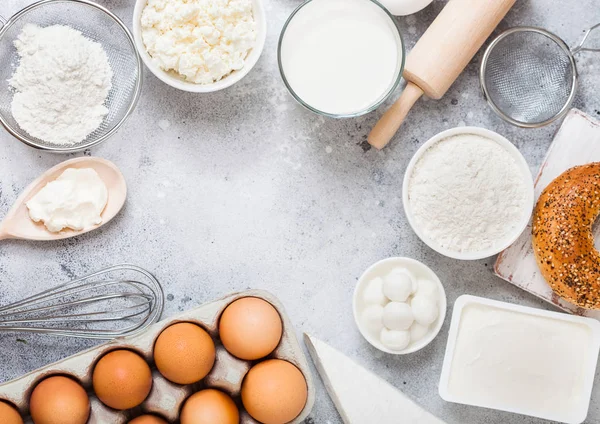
<point>246,189</point>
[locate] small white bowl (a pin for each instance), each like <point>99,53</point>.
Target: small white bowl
<point>521,162</point>
<point>178,82</point>
<point>380,269</point>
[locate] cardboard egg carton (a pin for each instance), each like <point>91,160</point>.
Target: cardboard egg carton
<point>166,399</point>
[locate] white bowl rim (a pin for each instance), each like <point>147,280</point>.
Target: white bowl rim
<point>401,261</point>
<point>260,18</point>
<point>521,162</point>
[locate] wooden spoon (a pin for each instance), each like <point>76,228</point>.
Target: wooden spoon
<point>18,224</point>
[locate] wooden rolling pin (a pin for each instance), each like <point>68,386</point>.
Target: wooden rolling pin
<point>440,56</point>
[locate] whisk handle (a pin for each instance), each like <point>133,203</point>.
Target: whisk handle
<point>580,47</point>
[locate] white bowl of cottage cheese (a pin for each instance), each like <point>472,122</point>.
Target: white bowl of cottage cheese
<point>199,46</point>
<point>468,193</point>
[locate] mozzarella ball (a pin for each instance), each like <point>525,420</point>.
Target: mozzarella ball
<point>397,286</point>
<point>424,309</point>
<point>395,340</point>
<point>402,273</point>
<point>397,316</point>
<point>372,318</point>
<point>373,293</point>
<point>418,331</point>
<point>427,287</point>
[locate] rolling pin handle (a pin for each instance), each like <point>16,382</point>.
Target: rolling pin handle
<point>388,124</point>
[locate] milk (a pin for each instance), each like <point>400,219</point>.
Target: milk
<point>341,57</point>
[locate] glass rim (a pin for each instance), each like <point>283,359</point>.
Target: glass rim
<point>361,112</point>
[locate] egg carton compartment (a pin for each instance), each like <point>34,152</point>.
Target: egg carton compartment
<point>166,398</point>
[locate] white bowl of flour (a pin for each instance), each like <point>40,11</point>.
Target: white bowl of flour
<point>468,193</point>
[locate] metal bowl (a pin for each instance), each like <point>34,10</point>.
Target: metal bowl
<point>96,23</point>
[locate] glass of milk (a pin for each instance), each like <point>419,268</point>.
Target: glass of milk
<point>341,58</point>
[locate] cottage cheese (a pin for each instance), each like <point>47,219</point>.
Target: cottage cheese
<point>201,40</point>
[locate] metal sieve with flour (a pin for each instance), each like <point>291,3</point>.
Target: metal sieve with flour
<point>529,75</point>
<point>96,23</point>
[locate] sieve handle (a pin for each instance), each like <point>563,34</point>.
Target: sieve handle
<point>2,21</point>
<point>580,47</point>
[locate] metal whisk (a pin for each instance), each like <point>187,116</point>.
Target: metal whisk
<point>118,301</point>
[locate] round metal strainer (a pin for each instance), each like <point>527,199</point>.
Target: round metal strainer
<point>529,77</point>
<point>98,24</point>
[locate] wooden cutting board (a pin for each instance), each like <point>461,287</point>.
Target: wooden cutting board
<point>577,142</point>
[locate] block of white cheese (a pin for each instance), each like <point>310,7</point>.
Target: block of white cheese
<point>359,395</point>
<point>519,359</point>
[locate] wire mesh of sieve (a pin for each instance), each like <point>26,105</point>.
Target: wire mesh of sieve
<point>529,76</point>
<point>97,24</point>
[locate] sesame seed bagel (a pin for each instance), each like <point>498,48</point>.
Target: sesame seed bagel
<point>562,235</point>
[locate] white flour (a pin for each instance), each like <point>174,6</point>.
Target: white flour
<point>467,193</point>
<point>61,84</point>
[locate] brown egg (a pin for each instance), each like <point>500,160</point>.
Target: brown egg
<point>274,392</point>
<point>9,415</point>
<point>148,419</point>
<point>184,353</point>
<point>59,400</point>
<point>209,407</point>
<point>122,379</point>
<point>250,328</point>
